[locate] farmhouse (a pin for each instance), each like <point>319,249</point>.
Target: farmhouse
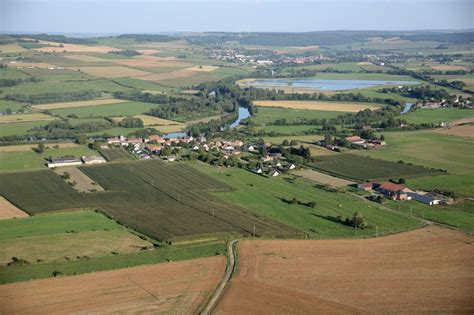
<point>93,159</point>
<point>393,191</point>
<point>365,186</point>
<point>153,148</point>
<point>64,161</point>
<point>156,138</point>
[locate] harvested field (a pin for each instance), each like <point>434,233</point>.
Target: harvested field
<point>11,48</point>
<point>322,178</point>
<point>104,101</point>
<point>449,67</point>
<point>86,58</point>
<point>83,182</point>
<point>462,121</point>
<point>112,71</point>
<point>317,105</point>
<point>41,65</point>
<point>29,147</point>
<point>178,74</point>
<point>178,287</point>
<point>147,51</point>
<point>60,47</point>
<point>9,211</point>
<point>461,130</point>
<point>203,68</point>
<point>154,121</point>
<point>7,119</point>
<point>152,62</point>
<point>429,270</point>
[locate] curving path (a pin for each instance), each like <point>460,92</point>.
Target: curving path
<point>228,274</point>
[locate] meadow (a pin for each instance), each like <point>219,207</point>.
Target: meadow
<point>96,102</point>
<point>319,105</point>
<point>270,114</point>
<point>364,168</point>
<point>19,128</point>
<point>118,109</point>
<point>437,115</point>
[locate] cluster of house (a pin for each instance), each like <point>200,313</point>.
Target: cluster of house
<point>273,164</point>
<point>355,142</point>
<point>400,192</point>
<point>73,161</point>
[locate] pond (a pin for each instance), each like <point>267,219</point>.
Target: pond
<point>243,114</point>
<point>324,85</point>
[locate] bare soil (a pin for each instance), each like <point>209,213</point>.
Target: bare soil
<point>9,211</point>
<point>178,287</point>
<point>429,270</point>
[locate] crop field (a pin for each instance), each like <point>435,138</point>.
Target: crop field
<point>29,147</point>
<point>112,71</point>
<point>73,48</point>
<point>14,106</point>
<point>427,148</point>
<point>115,154</point>
<point>86,58</point>
<point>11,48</point>
<point>78,179</point>
<point>176,287</point>
<point>289,129</point>
<point>427,270</point>
<point>65,236</point>
<point>437,115</point>
<point>364,168</point>
<point>270,114</point>
<point>318,105</point>
<point>9,211</point>
<point>460,131</point>
<point>266,197</point>
<point>118,109</point>
<point>159,200</point>
<point>8,119</point>
<point>19,128</point>
<point>322,178</point>
<point>97,102</point>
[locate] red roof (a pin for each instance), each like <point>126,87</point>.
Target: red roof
<point>391,187</point>
<point>353,138</point>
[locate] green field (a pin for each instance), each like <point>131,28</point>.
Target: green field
<point>64,237</point>
<point>115,154</point>
<point>270,114</point>
<point>263,196</point>
<point>462,185</point>
<point>19,128</point>
<point>30,160</point>
<point>14,106</point>
<point>436,115</point>
<point>166,202</point>
<point>364,168</point>
<point>289,130</point>
<point>119,109</point>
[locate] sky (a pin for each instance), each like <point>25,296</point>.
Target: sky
<point>157,16</point>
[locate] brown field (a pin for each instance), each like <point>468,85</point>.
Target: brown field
<point>174,288</point>
<point>317,105</point>
<point>462,131</point>
<point>203,68</point>
<point>448,67</point>
<point>86,58</point>
<point>7,119</point>
<point>112,71</point>
<point>154,121</point>
<point>429,270</point>
<point>83,182</point>
<point>173,45</point>
<point>148,51</point>
<point>153,62</point>
<point>9,211</point>
<point>97,102</point>
<point>29,147</point>
<point>41,65</point>
<point>462,121</point>
<point>55,47</point>
<point>322,178</point>
<point>11,48</point>
<point>177,74</point>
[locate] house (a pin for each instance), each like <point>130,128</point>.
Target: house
<point>134,140</point>
<point>93,159</point>
<point>169,158</point>
<point>113,141</point>
<point>250,148</point>
<point>354,139</point>
<point>156,138</point>
<point>266,158</point>
<point>153,148</point>
<point>273,173</point>
<point>64,161</point>
<point>365,186</point>
<point>257,170</point>
<point>393,191</point>
<point>426,199</point>
<point>291,166</point>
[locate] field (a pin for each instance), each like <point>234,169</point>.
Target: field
<point>427,270</point>
<point>437,115</point>
<point>177,287</point>
<point>266,197</point>
<point>270,114</point>
<point>322,178</point>
<point>120,109</point>
<point>104,101</point>
<point>9,211</point>
<point>318,105</point>
<point>29,147</point>
<point>8,119</point>
<point>112,71</point>
<point>65,236</point>
<point>151,197</point>
<point>460,131</point>
<point>78,179</point>
<point>364,168</point>
<point>115,154</point>
<point>19,128</point>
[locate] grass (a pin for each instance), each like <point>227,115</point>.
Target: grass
<point>120,109</point>
<point>427,148</point>
<point>288,130</point>
<point>270,114</point>
<point>263,196</point>
<point>160,255</point>
<point>64,236</point>
<point>30,160</point>
<point>19,128</point>
<point>14,106</point>
<point>319,105</point>
<point>8,119</point>
<point>436,115</point>
<point>460,184</point>
<point>365,168</point>
<point>460,215</point>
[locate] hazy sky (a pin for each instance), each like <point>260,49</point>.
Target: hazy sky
<point>153,16</point>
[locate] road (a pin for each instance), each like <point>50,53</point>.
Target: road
<point>228,274</point>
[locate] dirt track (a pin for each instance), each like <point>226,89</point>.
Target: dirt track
<point>178,287</point>
<point>427,270</point>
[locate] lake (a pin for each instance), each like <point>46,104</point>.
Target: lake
<point>324,85</point>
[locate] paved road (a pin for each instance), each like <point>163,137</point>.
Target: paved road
<point>220,289</point>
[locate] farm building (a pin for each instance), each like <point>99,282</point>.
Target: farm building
<point>64,161</point>
<point>365,186</point>
<point>426,199</point>
<point>393,191</point>
<point>153,148</point>
<point>158,139</point>
<point>170,158</point>
<point>93,159</point>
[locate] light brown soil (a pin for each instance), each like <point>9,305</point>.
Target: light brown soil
<point>322,178</point>
<point>462,131</point>
<point>103,101</point>
<point>429,270</point>
<point>29,147</point>
<point>112,71</point>
<point>317,105</point>
<point>8,119</point>
<point>178,287</point>
<point>83,182</point>
<point>9,211</point>
<point>449,67</point>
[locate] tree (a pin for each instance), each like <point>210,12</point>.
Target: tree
<point>293,142</point>
<point>8,111</point>
<point>285,142</point>
<point>402,181</point>
<point>40,148</point>
<point>327,139</point>
<point>82,139</point>
<point>382,138</point>
<point>357,221</point>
